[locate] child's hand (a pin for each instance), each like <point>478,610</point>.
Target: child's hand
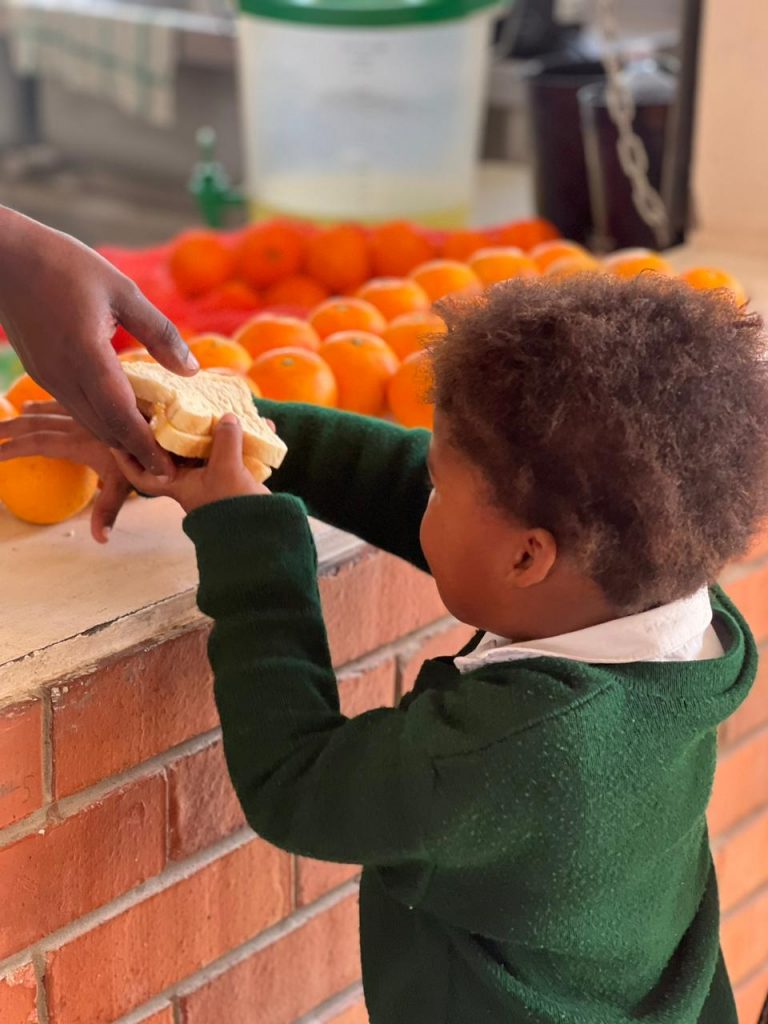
<point>45,428</point>
<point>223,476</point>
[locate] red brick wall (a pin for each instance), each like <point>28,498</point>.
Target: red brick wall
<point>130,888</point>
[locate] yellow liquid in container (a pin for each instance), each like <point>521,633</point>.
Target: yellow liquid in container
<point>361,198</point>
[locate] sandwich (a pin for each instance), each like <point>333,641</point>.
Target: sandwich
<point>183,413</point>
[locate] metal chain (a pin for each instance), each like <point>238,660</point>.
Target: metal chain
<point>631,150</point>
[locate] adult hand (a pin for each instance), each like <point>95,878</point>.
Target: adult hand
<point>60,303</point>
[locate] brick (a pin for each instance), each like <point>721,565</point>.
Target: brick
<point>751,996</point>
<point>164,1016</point>
<point>750,595</point>
<point>754,711</point>
<point>80,863</point>
<point>744,937</point>
<point>18,996</point>
<point>21,780</point>
<point>741,860</point>
<point>286,979</point>
<point>356,1014</point>
<point>449,639</point>
<point>125,961</point>
<point>741,783</point>
<point>366,689</point>
<point>314,878</point>
<point>203,807</point>
<point>373,601</point>
<point>131,709</point>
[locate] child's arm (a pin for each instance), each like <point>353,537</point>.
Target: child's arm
<point>362,475</point>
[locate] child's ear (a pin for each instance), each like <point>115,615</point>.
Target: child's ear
<point>533,554</point>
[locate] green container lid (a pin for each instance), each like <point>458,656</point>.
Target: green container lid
<point>366,13</point>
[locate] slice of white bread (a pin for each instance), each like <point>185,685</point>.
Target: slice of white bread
<point>184,412</point>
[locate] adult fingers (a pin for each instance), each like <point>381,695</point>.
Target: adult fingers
<point>227,448</point>
<point>121,425</point>
<point>145,322</point>
<point>107,504</point>
<point>53,408</point>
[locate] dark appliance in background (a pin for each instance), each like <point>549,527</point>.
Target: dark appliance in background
<point>591,202</point>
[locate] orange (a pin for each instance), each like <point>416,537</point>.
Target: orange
<point>294,375</point>
<point>460,245</point>
<point>410,332</point>
<point>550,252</point>
<point>269,252</point>
<point>713,278</point>
<point>407,392</point>
<point>627,263</point>
<point>299,292</point>
<point>338,258</point>
<point>41,490</point>
<point>439,278</point>
<point>269,331</point>
<point>24,389</point>
<point>232,295</point>
<point>135,355</point>
<point>567,266</point>
<point>200,262</point>
<point>525,234</point>
<point>341,314</point>
<point>393,296</point>
<point>214,350</point>
<point>397,247</point>
<point>501,263</point>
<point>362,364</point>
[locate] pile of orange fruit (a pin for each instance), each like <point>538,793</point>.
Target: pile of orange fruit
<point>361,343</point>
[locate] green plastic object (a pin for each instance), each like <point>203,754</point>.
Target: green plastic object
<point>210,183</point>
<point>365,13</point>
<point>10,366</point>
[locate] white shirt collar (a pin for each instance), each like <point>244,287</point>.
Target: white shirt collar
<point>680,631</point>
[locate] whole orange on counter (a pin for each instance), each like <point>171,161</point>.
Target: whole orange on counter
<point>269,252</point>
<point>216,351</point>
<point>7,411</point>
<point>362,364</point>
<point>295,375</point>
<point>393,296</point>
<point>547,253</point>
<point>45,491</point>
<point>408,392</point>
<point>577,263</point>
<point>439,278</point>
<point>410,332</point>
<point>199,262</point>
<point>628,263</point>
<point>525,234</point>
<point>338,258</point>
<point>714,279</point>
<point>298,292</point>
<point>268,331</point>
<point>461,245</point>
<point>501,263</point>
<point>399,246</point>
<point>24,389</point>
<point>346,314</point>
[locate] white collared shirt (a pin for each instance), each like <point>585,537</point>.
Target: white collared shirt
<point>680,631</point>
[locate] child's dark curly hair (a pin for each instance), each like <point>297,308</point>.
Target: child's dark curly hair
<point>630,418</point>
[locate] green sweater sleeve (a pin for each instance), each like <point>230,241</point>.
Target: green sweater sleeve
<point>308,779</point>
<point>362,475</point>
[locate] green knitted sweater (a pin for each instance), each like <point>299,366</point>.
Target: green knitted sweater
<point>532,834</point>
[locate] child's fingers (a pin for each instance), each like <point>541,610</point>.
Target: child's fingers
<point>142,479</point>
<point>31,424</point>
<point>107,504</point>
<point>45,407</point>
<point>53,443</point>
<point>227,449</point>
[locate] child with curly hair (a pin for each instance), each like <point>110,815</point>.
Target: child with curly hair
<point>531,817</point>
